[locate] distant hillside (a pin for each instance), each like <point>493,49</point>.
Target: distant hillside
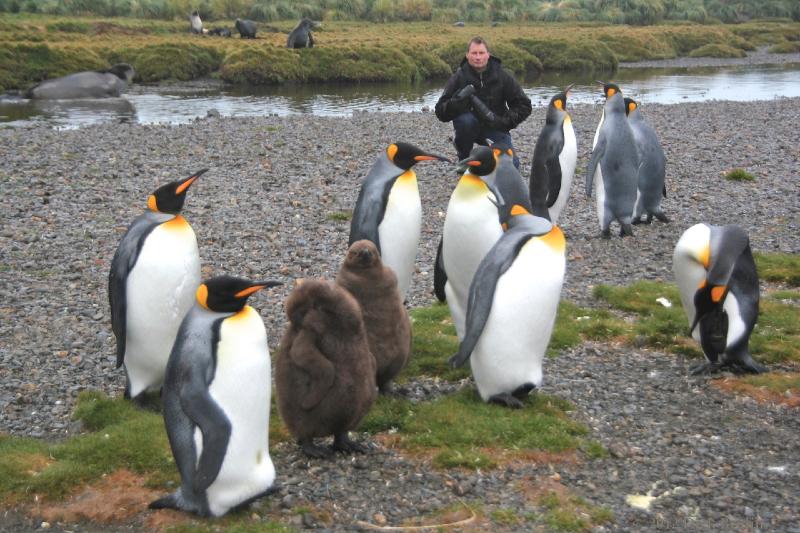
<point>637,12</point>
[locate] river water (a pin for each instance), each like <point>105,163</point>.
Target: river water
<point>185,102</point>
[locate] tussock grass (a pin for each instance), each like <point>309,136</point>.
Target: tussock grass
<point>346,50</point>
<point>717,50</point>
<point>460,429</point>
<point>785,47</point>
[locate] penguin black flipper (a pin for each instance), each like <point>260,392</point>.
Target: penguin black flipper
<point>591,168</point>
<point>481,291</point>
<point>370,209</point>
<point>124,260</point>
<point>439,274</point>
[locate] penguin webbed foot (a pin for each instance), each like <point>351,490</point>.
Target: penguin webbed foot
<point>387,389</point>
<point>312,450</point>
<point>706,367</point>
<point>506,400</point>
<point>626,230</point>
<point>456,361</point>
<point>662,218</point>
<point>148,401</point>
<point>605,234</point>
<point>523,391</point>
<point>637,220</point>
<point>747,366</point>
<point>343,443</point>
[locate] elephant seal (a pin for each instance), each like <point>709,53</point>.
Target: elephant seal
<point>90,84</point>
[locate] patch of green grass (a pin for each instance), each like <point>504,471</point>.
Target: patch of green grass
<point>780,383</point>
<point>776,337</point>
<point>506,517</point>
<point>570,513</point>
<point>576,324</point>
<point>433,342</point>
<point>460,427</point>
<point>340,216</point>
<point>122,437</point>
<point>237,522</point>
<point>783,268</point>
<point>656,325</point>
<point>781,296</point>
<point>739,174</point>
<point>595,450</point>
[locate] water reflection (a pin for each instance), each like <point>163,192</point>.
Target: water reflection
<point>180,104</point>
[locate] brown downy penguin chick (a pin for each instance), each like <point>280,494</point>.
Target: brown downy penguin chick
<point>325,373</point>
<point>386,320</point>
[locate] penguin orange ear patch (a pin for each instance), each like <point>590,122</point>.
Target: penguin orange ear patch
<point>151,203</point>
<point>202,295</point>
<point>611,92</point>
<point>559,104</point>
<point>391,151</point>
<point>717,293</point>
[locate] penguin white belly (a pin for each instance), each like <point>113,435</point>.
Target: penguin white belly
<point>600,196</point>
<point>400,228</point>
<point>567,159</point>
<point>471,228</point>
<point>689,275</point>
<point>510,351</point>
<point>736,326</point>
<point>160,291</point>
<point>242,389</point>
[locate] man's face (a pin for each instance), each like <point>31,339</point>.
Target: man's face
<point>477,56</point>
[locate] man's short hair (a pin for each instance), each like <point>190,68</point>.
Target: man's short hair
<point>477,40</point>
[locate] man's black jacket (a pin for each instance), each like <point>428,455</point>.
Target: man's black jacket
<point>495,86</point>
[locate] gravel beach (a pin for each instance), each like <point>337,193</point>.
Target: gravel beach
<point>711,460</point>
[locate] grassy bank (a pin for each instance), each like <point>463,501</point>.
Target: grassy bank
<point>37,47</point>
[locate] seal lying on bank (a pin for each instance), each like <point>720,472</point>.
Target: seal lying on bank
<point>90,84</point>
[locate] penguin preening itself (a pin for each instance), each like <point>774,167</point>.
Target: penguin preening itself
<point>554,157</point>
<point>388,327</point>
<point>325,372</point>
<point>472,224</point>
<point>718,282</point>
<point>513,300</point>
<point>614,165</point>
<point>151,286</point>
<point>216,401</point>
<point>388,211</point>
<point>652,167</point>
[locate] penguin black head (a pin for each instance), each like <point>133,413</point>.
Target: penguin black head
<point>630,105</point>
<point>123,71</point>
<point>227,294</point>
<point>559,101</point>
<point>609,89</point>
<point>405,155</point>
<point>481,161</point>
<point>363,254</point>
<point>169,198</point>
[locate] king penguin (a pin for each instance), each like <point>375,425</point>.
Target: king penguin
<point>388,211</point>
<point>151,285</point>
<point>652,167</point>
<point>554,157</point>
<point>718,283</point>
<point>614,164</point>
<point>472,224</point>
<point>513,300</point>
<point>217,401</point>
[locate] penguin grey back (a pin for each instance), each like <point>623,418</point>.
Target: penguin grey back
<point>372,198</point>
<point>652,166</point>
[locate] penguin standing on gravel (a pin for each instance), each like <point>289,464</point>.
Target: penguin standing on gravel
<point>554,157</point>
<point>388,211</point>
<point>652,167</point>
<point>718,283</point>
<point>513,300</point>
<point>216,401</point>
<point>151,285</point>
<point>472,223</point>
<point>614,164</point>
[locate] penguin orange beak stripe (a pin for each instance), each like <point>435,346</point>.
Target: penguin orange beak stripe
<point>185,185</point>
<point>248,291</point>
<point>425,158</point>
<point>474,163</point>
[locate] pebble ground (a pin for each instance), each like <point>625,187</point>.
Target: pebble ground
<point>266,209</point>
